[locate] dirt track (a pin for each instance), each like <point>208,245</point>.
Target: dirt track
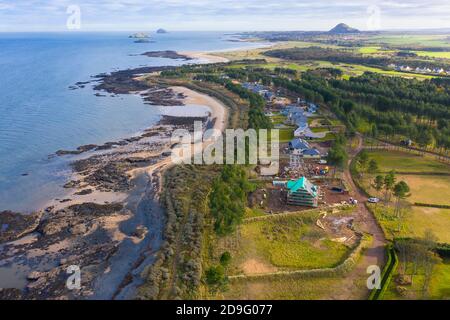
<point>353,286</point>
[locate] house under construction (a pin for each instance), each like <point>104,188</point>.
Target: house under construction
<point>301,192</point>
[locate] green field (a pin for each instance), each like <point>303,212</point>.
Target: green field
<point>412,40</point>
<point>406,162</point>
<point>278,119</point>
<point>428,189</point>
<point>425,188</point>
<point>415,222</point>
<point>286,134</point>
<point>282,243</point>
<point>439,288</point>
<point>440,283</point>
<point>434,54</point>
<point>285,289</point>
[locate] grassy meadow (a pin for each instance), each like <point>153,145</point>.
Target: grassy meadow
<point>430,188</point>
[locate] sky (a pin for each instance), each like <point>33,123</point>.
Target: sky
<point>220,15</point>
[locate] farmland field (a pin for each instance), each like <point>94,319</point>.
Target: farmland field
<point>431,54</point>
<point>417,40</point>
<point>428,189</point>
<point>406,162</point>
<point>416,221</point>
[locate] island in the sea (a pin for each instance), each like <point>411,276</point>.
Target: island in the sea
<point>161,31</point>
<point>139,35</point>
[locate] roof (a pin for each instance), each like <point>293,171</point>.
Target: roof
<point>300,120</point>
<point>299,144</point>
<point>311,152</point>
<point>302,183</point>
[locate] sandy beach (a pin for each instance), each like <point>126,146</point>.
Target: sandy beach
<point>218,110</point>
<point>112,201</point>
<point>204,57</point>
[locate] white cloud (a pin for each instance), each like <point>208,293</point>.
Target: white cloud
<point>223,15</point>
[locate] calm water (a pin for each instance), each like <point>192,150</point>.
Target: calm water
<point>39,114</point>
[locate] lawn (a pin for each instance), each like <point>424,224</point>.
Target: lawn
<point>282,243</point>
<point>278,119</point>
<point>440,282</point>
<point>415,222</point>
<point>290,243</point>
<point>406,162</point>
<point>286,134</point>
<point>330,136</point>
<point>284,289</point>
<point>319,129</point>
<point>428,189</point>
<point>254,212</point>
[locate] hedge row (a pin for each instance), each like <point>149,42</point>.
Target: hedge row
<point>430,205</point>
<point>386,275</point>
<point>443,250</point>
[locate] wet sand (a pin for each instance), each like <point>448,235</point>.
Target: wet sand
<point>115,247</point>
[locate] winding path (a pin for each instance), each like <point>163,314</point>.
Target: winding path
<point>353,288</point>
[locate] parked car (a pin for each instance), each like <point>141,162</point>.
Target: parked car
<point>373,200</point>
<point>337,189</point>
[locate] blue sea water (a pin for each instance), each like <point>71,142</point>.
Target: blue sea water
<point>39,114</point>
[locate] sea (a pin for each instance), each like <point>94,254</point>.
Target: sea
<point>40,113</point>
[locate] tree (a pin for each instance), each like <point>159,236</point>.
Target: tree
<point>337,156</point>
<point>215,276</point>
<point>401,191</point>
<point>225,259</point>
<point>228,198</point>
<point>389,183</point>
<point>430,242</point>
<point>363,160</point>
<point>348,106</point>
<point>373,166</point>
<point>378,183</point>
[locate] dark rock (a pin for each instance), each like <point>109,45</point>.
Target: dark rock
<point>168,54</point>
<point>10,294</point>
<point>16,225</point>
<point>84,192</point>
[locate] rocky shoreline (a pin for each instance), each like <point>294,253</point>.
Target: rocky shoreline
<point>110,224</point>
<point>168,54</point>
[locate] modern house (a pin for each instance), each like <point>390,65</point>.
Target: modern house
<point>308,134</point>
<point>259,89</point>
<point>302,193</point>
<point>312,108</point>
<point>298,146</point>
<point>300,131</point>
<point>312,154</point>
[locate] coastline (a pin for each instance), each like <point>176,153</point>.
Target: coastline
<point>121,180</point>
<point>110,221</point>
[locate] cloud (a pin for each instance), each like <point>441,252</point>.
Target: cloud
<point>220,15</point>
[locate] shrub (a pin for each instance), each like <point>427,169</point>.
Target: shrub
<point>215,275</point>
<point>225,259</point>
